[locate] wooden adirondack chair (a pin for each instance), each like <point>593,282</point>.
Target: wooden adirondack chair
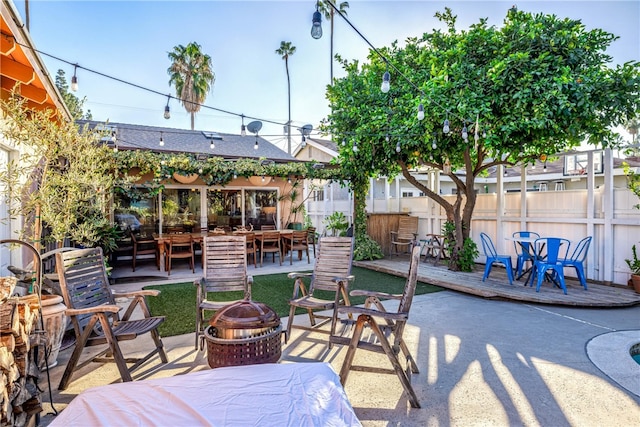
<point>394,324</point>
<point>406,234</point>
<point>94,313</point>
<point>332,272</point>
<point>225,269</point>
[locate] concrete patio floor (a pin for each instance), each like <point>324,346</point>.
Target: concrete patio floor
<point>482,362</point>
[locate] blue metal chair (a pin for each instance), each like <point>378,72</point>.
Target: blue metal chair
<point>577,258</point>
<point>493,257</point>
<point>524,250</point>
<point>557,249</point>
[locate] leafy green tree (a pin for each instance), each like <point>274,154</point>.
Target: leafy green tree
<point>191,72</point>
<point>62,179</point>
<point>537,85</point>
<point>73,103</point>
<point>328,12</point>
<point>285,50</point>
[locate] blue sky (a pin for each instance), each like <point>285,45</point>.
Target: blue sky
<point>130,40</point>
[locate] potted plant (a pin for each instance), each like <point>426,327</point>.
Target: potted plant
<point>634,265</point>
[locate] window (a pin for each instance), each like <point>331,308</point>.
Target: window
<point>260,208</point>
<point>180,209</point>
<point>136,210</point>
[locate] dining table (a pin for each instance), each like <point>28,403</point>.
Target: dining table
<point>528,245</point>
<point>198,236</point>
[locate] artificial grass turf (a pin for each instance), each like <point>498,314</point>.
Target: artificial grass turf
<point>178,301</point>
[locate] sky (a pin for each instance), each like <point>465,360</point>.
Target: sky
<point>130,41</point>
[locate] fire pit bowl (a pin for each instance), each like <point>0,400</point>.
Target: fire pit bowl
<point>243,333</point>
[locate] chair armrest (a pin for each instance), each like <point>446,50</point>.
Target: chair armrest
<point>143,292</point>
<point>349,309</point>
<point>347,279</point>
<point>97,309</point>
<point>383,295</point>
<point>298,275</point>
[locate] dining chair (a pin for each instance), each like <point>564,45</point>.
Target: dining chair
<point>143,246</point>
<point>493,257</point>
<point>524,250</point>
<point>268,227</point>
<point>311,238</point>
<point>296,241</point>
<point>577,258</point>
<point>252,246</point>
<point>270,243</point>
<point>556,252</point>
<point>180,246</point>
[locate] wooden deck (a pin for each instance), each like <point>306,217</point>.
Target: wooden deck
<point>497,285</point>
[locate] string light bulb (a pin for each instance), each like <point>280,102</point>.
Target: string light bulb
<point>386,85</point>
<point>465,133</point>
<point>445,127</point>
<point>316,23</point>
<point>212,145</point>
<point>398,148</point>
<point>434,145</point>
<point>161,140</point>
<point>544,168</point>
<point>74,79</point>
<point>255,146</point>
<point>167,110</point>
<point>420,112</point>
<point>243,128</point>
<point>355,147</point>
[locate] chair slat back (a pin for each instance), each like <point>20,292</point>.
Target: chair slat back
<point>520,246</point>
<point>225,263</point>
<point>582,248</point>
<point>407,227</point>
<point>83,281</point>
<point>334,259</point>
<point>557,248</point>
<point>409,291</point>
<point>487,246</point>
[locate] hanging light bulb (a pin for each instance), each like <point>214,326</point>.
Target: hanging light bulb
<point>504,172</point>
<point>199,170</point>
<point>243,128</point>
<point>235,175</point>
<point>74,79</point>
<point>115,148</point>
<point>167,110</point>
<point>386,137</point>
<point>355,147</point>
<point>434,145</point>
<point>446,168</point>
<point>255,146</point>
<point>398,148</point>
<point>262,178</point>
<point>212,145</point>
<point>316,23</point>
<point>386,77</point>
<point>161,140</point>
<point>445,127</point>
<point>420,111</point>
<point>544,168</point>
<point>289,180</point>
<point>465,133</point>
<point>533,166</point>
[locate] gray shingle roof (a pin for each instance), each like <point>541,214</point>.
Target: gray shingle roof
<point>132,137</point>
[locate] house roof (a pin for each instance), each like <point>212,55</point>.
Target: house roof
<point>325,145</point>
<point>228,146</point>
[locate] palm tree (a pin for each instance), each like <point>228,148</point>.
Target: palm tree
<point>325,8</point>
<point>285,50</point>
<point>191,72</point>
